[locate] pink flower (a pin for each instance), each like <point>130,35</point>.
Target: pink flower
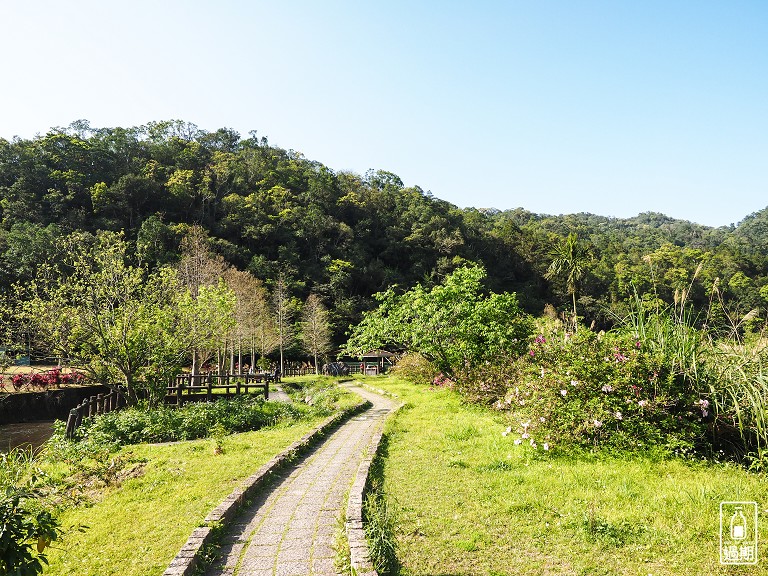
<point>563,392</point>
<point>545,446</point>
<point>518,441</point>
<point>525,436</point>
<point>642,403</point>
<point>607,388</point>
<point>597,423</point>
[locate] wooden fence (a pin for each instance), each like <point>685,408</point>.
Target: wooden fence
<point>98,404</point>
<point>187,387</point>
<point>298,371</point>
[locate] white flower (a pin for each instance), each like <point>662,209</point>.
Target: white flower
<point>642,403</point>
<point>542,419</point>
<point>518,441</point>
<point>525,424</point>
<point>507,431</point>
<point>525,436</point>
<point>533,443</point>
<point>563,392</point>
<point>618,415</point>
<point>607,388</point>
<point>597,423</point>
<point>545,446</point>
<point>574,382</point>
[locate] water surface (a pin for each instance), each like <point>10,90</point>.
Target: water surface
<point>27,434</point>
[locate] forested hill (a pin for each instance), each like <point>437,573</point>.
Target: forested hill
<point>343,235</point>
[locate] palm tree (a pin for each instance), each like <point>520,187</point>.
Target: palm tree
<point>569,261</point>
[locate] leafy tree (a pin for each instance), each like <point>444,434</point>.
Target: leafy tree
<point>119,324</point>
<point>569,260</point>
<point>24,532</point>
<point>208,319</point>
<point>200,269</point>
<point>452,324</point>
<point>250,301</point>
<point>265,338</point>
<point>283,309</point>
<point>315,328</point>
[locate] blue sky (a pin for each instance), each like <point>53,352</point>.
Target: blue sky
<point>610,107</point>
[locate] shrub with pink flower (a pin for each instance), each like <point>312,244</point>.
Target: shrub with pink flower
<point>609,402</point>
<point>442,381</point>
<point>19,381</point>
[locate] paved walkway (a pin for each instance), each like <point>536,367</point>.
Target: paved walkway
<point>290,530</point>
<point>277,393</point>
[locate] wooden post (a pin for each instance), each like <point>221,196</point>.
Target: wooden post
<point>80,410</point>
<point>99,403</point>
<point>71,424</point>
<point>209,391</point>
<point>179,390</point>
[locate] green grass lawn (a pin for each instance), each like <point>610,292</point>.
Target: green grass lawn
<point>138,527</point>
<point>467,500</point>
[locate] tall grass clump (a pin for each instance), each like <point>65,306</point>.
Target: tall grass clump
<point>738,381</point>
<point>379,518</point>
<point>669,332</point>
<point>718,364</point>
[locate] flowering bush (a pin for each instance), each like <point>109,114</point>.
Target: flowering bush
<point>442,381</point>
<point>43,380</point>
<point>39,381</point>
<point>19,381</point>
<point>599,389</point>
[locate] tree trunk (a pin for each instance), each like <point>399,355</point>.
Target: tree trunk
<point>575,317</point>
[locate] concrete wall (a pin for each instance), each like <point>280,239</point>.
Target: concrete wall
<point>48,405</point>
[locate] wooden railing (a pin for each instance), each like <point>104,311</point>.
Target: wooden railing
<point>188,387</point>
<point>298,371</point>
<point>98,404</point>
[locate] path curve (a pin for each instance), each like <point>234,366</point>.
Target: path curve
<point>290,528</point>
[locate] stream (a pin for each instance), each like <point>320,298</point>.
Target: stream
<point>26,434</point>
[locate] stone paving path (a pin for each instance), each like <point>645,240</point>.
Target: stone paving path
<point>277,393</point>
<point>290,530</point>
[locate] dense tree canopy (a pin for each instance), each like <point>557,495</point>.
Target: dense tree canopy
<point>340,235</point>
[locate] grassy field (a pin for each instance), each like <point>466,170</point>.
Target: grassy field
<point>137,524</point>
<point>467,500</point>
<point>137,528</point>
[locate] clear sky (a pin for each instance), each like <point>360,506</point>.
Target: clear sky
<point>613,107</point>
